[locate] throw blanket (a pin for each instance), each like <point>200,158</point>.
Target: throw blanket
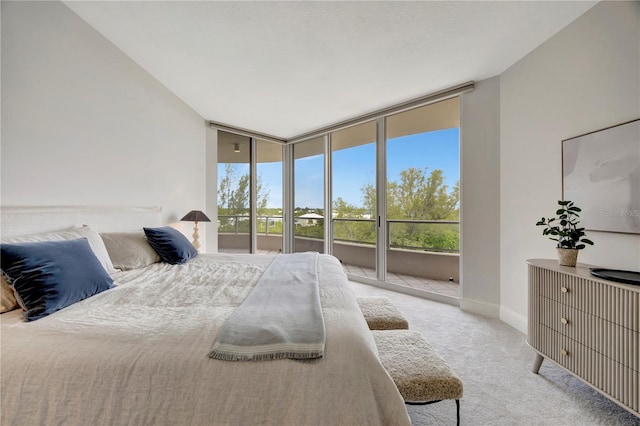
<point>280,318</point>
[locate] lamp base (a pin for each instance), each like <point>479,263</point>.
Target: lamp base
<point>196,237</point>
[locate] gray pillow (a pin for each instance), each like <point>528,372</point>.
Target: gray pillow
<point>129,250</point>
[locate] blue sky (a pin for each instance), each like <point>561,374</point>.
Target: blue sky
<point>355,167</point>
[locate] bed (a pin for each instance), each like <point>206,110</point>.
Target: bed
<point>138,353</point>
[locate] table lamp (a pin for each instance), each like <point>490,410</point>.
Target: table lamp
<point>195,216</point>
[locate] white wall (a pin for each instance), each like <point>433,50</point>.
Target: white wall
<point>480,193</point>
<point>82,124</point>
<point>585,78</point>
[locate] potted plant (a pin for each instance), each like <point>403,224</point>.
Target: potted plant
<point>564,229</point>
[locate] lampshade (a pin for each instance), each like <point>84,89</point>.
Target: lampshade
<point>195,216</point>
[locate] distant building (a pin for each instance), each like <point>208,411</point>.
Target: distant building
<point>309,219</point>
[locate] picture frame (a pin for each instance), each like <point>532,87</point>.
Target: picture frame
<point>601,175</point>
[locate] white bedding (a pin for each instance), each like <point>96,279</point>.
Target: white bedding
<point>137,354</point>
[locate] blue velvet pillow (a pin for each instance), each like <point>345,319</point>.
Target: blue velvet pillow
<point>50,275</point>
<point>170,244</point>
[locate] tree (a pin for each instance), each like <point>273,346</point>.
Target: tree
<point>342,209</point>
<point>225,185</point>
<point>417,197</point>
<point>239,200</point>
<point>357,230</point>
<point>234,193</point>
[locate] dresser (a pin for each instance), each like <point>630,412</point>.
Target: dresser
<point>587,325</point>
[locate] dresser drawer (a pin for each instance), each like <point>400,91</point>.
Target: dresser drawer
<point>614,304</point>
<point>614,341</point>
<point>607,375</point>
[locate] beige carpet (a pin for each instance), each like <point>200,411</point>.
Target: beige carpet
<point>494,363</point>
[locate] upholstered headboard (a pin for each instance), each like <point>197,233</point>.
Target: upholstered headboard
<point>30,220</point>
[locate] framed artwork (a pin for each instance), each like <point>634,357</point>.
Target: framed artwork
<point>601,174</point>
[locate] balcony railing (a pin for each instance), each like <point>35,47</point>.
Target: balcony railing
<point>422,235</point>
<point>427,249</point>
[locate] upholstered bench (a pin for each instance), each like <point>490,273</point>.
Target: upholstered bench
<point>420,374</point>
<point>381,314</point>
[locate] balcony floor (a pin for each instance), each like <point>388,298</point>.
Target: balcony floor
<point>445,288</point>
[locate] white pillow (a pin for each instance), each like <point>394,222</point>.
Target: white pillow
<point>95,241</point>
<point>129,250</point>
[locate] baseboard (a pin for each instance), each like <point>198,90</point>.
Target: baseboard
<point>514,319</point>
<point>480,308</point>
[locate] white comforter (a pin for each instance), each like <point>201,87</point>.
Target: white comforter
<point>137,354</point>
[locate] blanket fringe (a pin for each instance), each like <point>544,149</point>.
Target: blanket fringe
<point>303,357</point>
<point>261,328</point>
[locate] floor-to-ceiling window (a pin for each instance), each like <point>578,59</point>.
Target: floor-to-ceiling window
<point>308,195</point>
<point>423,194</point>
<point>382,195</point>
<point>249,198</point>
<point>234,193</point>
<point>269,223</point>
<point>395,198</point>
<point>353,161</point>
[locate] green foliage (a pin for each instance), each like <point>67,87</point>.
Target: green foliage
<point>564,227</point>
<point>310,231</point>
<point>442,237</point>
<point>417,196</point>
<point>361,231</point>
<point>234,193</point>
<point>342,209</point>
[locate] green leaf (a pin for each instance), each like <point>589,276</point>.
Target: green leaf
<point>580,246</point>
<point>565,226</point>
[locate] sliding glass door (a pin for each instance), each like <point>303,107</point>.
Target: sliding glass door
<point>234,209</point>
<point>423,194</point>
<point>353,160</point>
<point>308,196</point>
<point>395,199</point>
<point>269,223</point>
<point>382,196</point>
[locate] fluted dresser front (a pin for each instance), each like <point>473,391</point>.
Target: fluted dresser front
<point>587,325</point>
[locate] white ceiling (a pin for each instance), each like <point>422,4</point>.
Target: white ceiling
<point>285,68</point>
